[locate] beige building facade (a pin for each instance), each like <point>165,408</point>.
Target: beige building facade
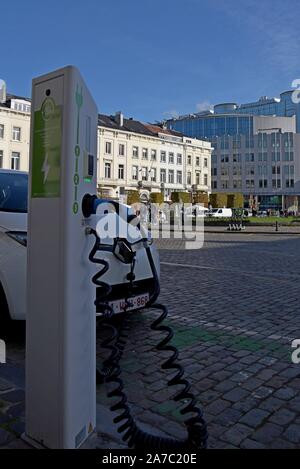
<point>133,155</point>
<point>14,133</point>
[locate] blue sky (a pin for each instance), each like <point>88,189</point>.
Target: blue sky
<point>154,58</point>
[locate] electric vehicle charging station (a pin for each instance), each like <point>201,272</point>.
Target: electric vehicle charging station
<point>61,321</point>
<point>71,280</point>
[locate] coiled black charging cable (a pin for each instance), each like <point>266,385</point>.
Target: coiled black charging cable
<point>135,437</point>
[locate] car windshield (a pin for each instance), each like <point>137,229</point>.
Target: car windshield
<point>13,192</point>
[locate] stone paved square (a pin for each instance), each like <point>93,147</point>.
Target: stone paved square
<point>234,309</point>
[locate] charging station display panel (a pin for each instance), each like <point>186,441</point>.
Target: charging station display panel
<point>47,146</point>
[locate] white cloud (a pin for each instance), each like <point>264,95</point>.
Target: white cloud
<point>204,106</point>
<point>274,26</point>
<point>170,114</point>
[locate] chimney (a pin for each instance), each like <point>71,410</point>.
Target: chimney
<point>2,91</point>
<point>119,118</point>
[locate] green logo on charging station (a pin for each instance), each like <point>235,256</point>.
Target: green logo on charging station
<point>47,140</point>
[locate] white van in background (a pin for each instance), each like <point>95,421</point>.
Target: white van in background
<point>220,213</point>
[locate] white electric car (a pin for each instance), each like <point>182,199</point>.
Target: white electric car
<point>13,239</point>
<point>13,252</point>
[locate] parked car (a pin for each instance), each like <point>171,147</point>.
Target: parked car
<point>13,241</point>
<point>220,213</point>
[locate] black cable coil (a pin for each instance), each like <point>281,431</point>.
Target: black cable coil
<point>111,371</point>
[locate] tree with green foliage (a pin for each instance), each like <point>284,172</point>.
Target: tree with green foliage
<point>132,197</point>
<point>200,198</point>
<point>156,198</point>
<point>180,197</point>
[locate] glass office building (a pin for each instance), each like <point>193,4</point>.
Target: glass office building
<point>256,149</point>
<point>209,126</point>
<point>223,120</point>
<point>281,107</point>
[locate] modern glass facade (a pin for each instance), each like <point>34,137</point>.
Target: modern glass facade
<point>210,126</point>
<point>224,121</point>
<point>283,107</point>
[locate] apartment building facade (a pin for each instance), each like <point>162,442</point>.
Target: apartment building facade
<point>149,158</point>
<point>131,155</point>
<point>14,132</point>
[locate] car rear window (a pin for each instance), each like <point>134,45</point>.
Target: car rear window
<point>13,192</point>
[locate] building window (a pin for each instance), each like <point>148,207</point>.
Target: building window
<point>189,178</point>
<point>224,143</point>
<point>215,172</point>
<point>249,142</point>
<point>263,183</point>
<point>224,184</point>
<point>288,156</point>
<point>153,155</point>
<point>237,170</point>
<point>171,158</point>
<point>107,170</point>
<point>275,169</point>
<point>171,176</point>
<point>15,160</point>
<point>236,141</point>
<point>276,183</point>
<point>121,171</point>
<point>236,157</point>
<point>237,184</point>
<point>153,174</point>
<point>224,159</point>
<point>197,177</point>
<point>163,177</point>
<point>108,148</point>
<point>135,152</point>
<point>189,160</point>
<point>179,177</point>
<point>144,173</point>
<point>275,155</point>
<point>214,185</point>
<point>1,131</point>
<point>145,153</point>
<point>1,158</point>
<point>249,157</point>
<point>205,162</point>
<point>179,158</point>
<point>20,107</point>
<point>205,179</point>
<point>163,157</point>
<point>263,140</point>
<point>121,149</point>
<point>16,133</point>
<point>135,170</point>
<point>250,183</point>
<point>224,171</point>
<point>263,156</point>
<point>250,170</point>
<point>197,160</point>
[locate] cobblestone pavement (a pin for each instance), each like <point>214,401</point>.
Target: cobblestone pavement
<point>234,308</point>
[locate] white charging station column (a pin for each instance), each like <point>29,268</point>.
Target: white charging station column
<point>60,321</point>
